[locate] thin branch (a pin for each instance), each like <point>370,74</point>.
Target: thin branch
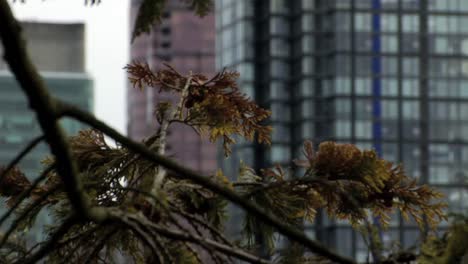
<point>238,253</point>
<point>183,122</point>
<point>83,237</point>
<point>186,173</point>
<point>100,245</point>
<point>374,247</point>
<point>202,223</point>
<point>161,251</point>
<point>25,213</point>
<point>50,244</point>
<point>44,105</point>
<point>26,193</point>
<point>21,155</point>
<point>197,230</point>
<point>143,236</point>
<point>257,184</point>
<point>161,174</point>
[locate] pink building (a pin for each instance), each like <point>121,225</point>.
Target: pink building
<point>187,42</point>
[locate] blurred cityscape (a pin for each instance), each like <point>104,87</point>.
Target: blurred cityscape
<point>385,74</point>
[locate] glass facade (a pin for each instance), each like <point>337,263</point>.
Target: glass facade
<point>385,74</point>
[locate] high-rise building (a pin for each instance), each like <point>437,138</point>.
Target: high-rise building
<point>385,74</point>
<point>57,50</point>
<point>186,42</point>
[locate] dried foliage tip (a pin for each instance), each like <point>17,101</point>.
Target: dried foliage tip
<point>213,106</point>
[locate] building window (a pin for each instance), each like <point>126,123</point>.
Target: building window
<point>279,6</point>
<point>410,110</point>
<point>343,128</point>
<point>410,23</point>
<point>363,22</point>
<point>307,129</point>
<point>389,109</point>
<point>389,44</point>
<point>279,26</point>
<point>389,23</point>
<point>280,154</point>
<point>307,22</point>
<point>280,69</point>
<point>308,44</point>
<point>279,47</point>
<point>307,109</point>
<point>307,87</point>
<point>410,66</point>
<point>363,129</point>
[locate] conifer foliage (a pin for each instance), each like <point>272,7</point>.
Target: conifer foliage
<point>132,202</point>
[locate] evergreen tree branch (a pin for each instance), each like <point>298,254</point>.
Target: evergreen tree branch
<point>44,105</point>
<point>51,242</point>
<point>143,237</point>
<point>21,155</point>
<point>100,245</point>
<point>25,214</point>
<point>186,173</point>
<point>26,193</point>
<point>202,223</point>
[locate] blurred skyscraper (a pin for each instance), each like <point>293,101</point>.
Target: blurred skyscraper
<point>57,50</point>
<point>385,74</point>
<point>186,42</point>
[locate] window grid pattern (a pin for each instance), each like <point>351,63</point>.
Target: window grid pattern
<point>321,85</point>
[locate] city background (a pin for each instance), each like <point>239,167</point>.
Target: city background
<point>385,74</point>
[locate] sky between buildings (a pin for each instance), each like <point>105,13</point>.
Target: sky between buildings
<point>107,47</point>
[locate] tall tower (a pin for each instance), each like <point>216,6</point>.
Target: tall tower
<point>186,42</point>
<point>385,74</point>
